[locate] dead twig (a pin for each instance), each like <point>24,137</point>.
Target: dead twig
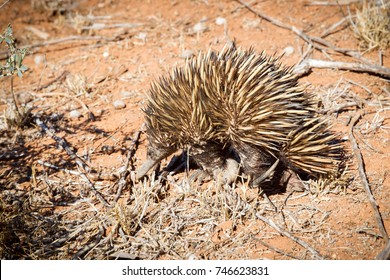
<point>130,153</point>
<point>89,247</point>
<point>306,65</point>
<point>72,172</point>
<point>283,232</point>
<point>332,29</point>
<point>80,163</point>
<point>65,40</point>
<point>363,177</point>
<point>339,108</point>
<point>385,253</point>
<point>100,26</point>
<point>334,3</point>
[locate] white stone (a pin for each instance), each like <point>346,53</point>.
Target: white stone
<point>119,104</point>
<point>220,21</point>
<point>186,54</point>
<point>288,51</point>
<point>200,27</point>
<point>74,114</point>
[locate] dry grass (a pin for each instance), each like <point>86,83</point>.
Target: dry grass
<point>372,26</point>
<point>48,213</point>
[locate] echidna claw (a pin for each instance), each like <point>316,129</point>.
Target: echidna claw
<point>198,175</point>
<point>268,174</point>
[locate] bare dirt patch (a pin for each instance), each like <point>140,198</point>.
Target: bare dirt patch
<point>86,55</point>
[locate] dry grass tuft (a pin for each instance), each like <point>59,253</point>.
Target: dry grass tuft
<point>53,6</point>
<point>372,26</point>
<point>17,117</point>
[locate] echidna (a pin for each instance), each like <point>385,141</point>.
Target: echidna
<point>234,107</point>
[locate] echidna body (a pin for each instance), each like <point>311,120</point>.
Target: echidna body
<point>238,101</point>
<point>177,117</point>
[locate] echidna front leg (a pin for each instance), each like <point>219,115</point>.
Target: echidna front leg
<point>256,163</point>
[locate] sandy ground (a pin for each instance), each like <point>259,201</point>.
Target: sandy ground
<point>94,53</point>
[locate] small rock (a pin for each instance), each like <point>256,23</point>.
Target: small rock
<point>186,54</point>
<point>74,114</point>
<point>25,98</point>
<point>119,104</point>
<point>55,117</point>
<point>106,149</point>
<point>106,54</point>
<point>220,21</point>
<point>288,51</point>
<point>38,59</point>
<point>199,27</point>
<point>141,36</point>
<point>98,113</point>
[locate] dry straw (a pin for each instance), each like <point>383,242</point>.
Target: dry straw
<point>371,25</point>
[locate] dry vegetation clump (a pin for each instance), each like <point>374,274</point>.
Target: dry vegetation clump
<point>371,25</point>
<point>86,204</point>
<point>53,6</point>
<point>178,221</point>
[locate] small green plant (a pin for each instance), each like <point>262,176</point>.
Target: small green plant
<point>15,116</point>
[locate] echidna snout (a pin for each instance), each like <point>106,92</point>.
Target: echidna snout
<point>154,156</point>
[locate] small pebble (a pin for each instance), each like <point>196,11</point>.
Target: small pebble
<point>186,54</point>
<point>98,113</point>
<point>106,54</point>
<point>200,27</point>
<point>119,104</point>
<point>74,114</point>
<point>288,51</point>
<point>25,98</point>
<point>220,21</point>
<point>141,36</point>
<point>106,149</point>
<point>38,59</point>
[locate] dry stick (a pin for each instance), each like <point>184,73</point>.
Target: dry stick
<point>339,108</point>
<point>385,253</point>
<point>89,247</point>
<point>334,3</point>
<point>130,153</point>
<point>80,163</point>
<point>343,23</point>
<point>315,253</point>
<point>99,26</point>
<point>305,66</point>
<point>363,177</point>
<point>41,162</point>
<point>66,40</point>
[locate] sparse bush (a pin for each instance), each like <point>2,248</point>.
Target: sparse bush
<point>372,26</point>
<point>53,6</point>
<point>15,115</point>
